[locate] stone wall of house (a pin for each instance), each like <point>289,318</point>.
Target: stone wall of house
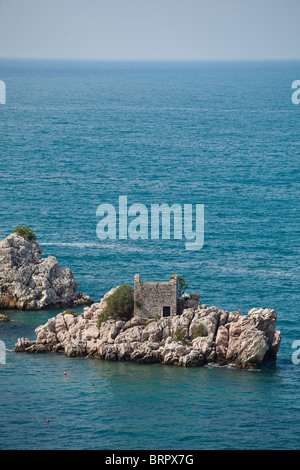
<point>151,297</point>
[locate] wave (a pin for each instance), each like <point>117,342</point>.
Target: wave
<point>83,245</point>
<point>261,272</point>
<point>76,244</point>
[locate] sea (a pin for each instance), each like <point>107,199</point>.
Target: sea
<point>78,134</point>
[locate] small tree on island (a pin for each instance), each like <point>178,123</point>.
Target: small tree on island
<point>183,285</point>
<point>119,305</point>
<point>25,232</point>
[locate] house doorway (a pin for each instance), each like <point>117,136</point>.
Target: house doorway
<point>166,311</point>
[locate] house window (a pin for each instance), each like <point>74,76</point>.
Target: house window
<point>166,311</point>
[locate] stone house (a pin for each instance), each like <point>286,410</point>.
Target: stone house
<point>155,299</point>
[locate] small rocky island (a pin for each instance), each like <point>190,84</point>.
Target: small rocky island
<point>29,282</point>
<point>189,335</point>
<point>154,322</point>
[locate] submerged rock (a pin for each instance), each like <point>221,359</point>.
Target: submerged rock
<point>4,318</point>
<point>197,337</point>
<point>29,282</point>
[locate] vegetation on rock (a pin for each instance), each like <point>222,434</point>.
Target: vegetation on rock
<point>101,319</point>
<point>200,330</point>
<point>183,285</point>
<point>119,305</point>
<point>25,232</point>
<point>178,335</point>
<point>70,311</point>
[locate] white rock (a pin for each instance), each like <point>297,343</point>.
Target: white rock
<point>30,282</point>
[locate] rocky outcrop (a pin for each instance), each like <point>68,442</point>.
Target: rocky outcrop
<point>198,336</point>
<point>187,301</point>
<point>4,318</point>
<point>30,282</point>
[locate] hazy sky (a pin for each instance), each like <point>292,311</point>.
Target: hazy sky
<point>150,29</point>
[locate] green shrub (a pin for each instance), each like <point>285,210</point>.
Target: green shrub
<point>25,232</point>
<point>138,304</point>
<point>120,304</point>
<point>183,285</point>
<point>178,335</point>
<point>101,319</point>
<point>71,312</point>
<point>199,330</point>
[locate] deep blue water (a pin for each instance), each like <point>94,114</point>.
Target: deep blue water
<point>76,134</point>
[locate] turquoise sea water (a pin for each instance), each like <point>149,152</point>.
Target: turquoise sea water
<point>76,134</point>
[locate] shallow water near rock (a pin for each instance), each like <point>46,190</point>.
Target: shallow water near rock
<point>140,406</point>
<point>123,405</point>
<point>75,135</point>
